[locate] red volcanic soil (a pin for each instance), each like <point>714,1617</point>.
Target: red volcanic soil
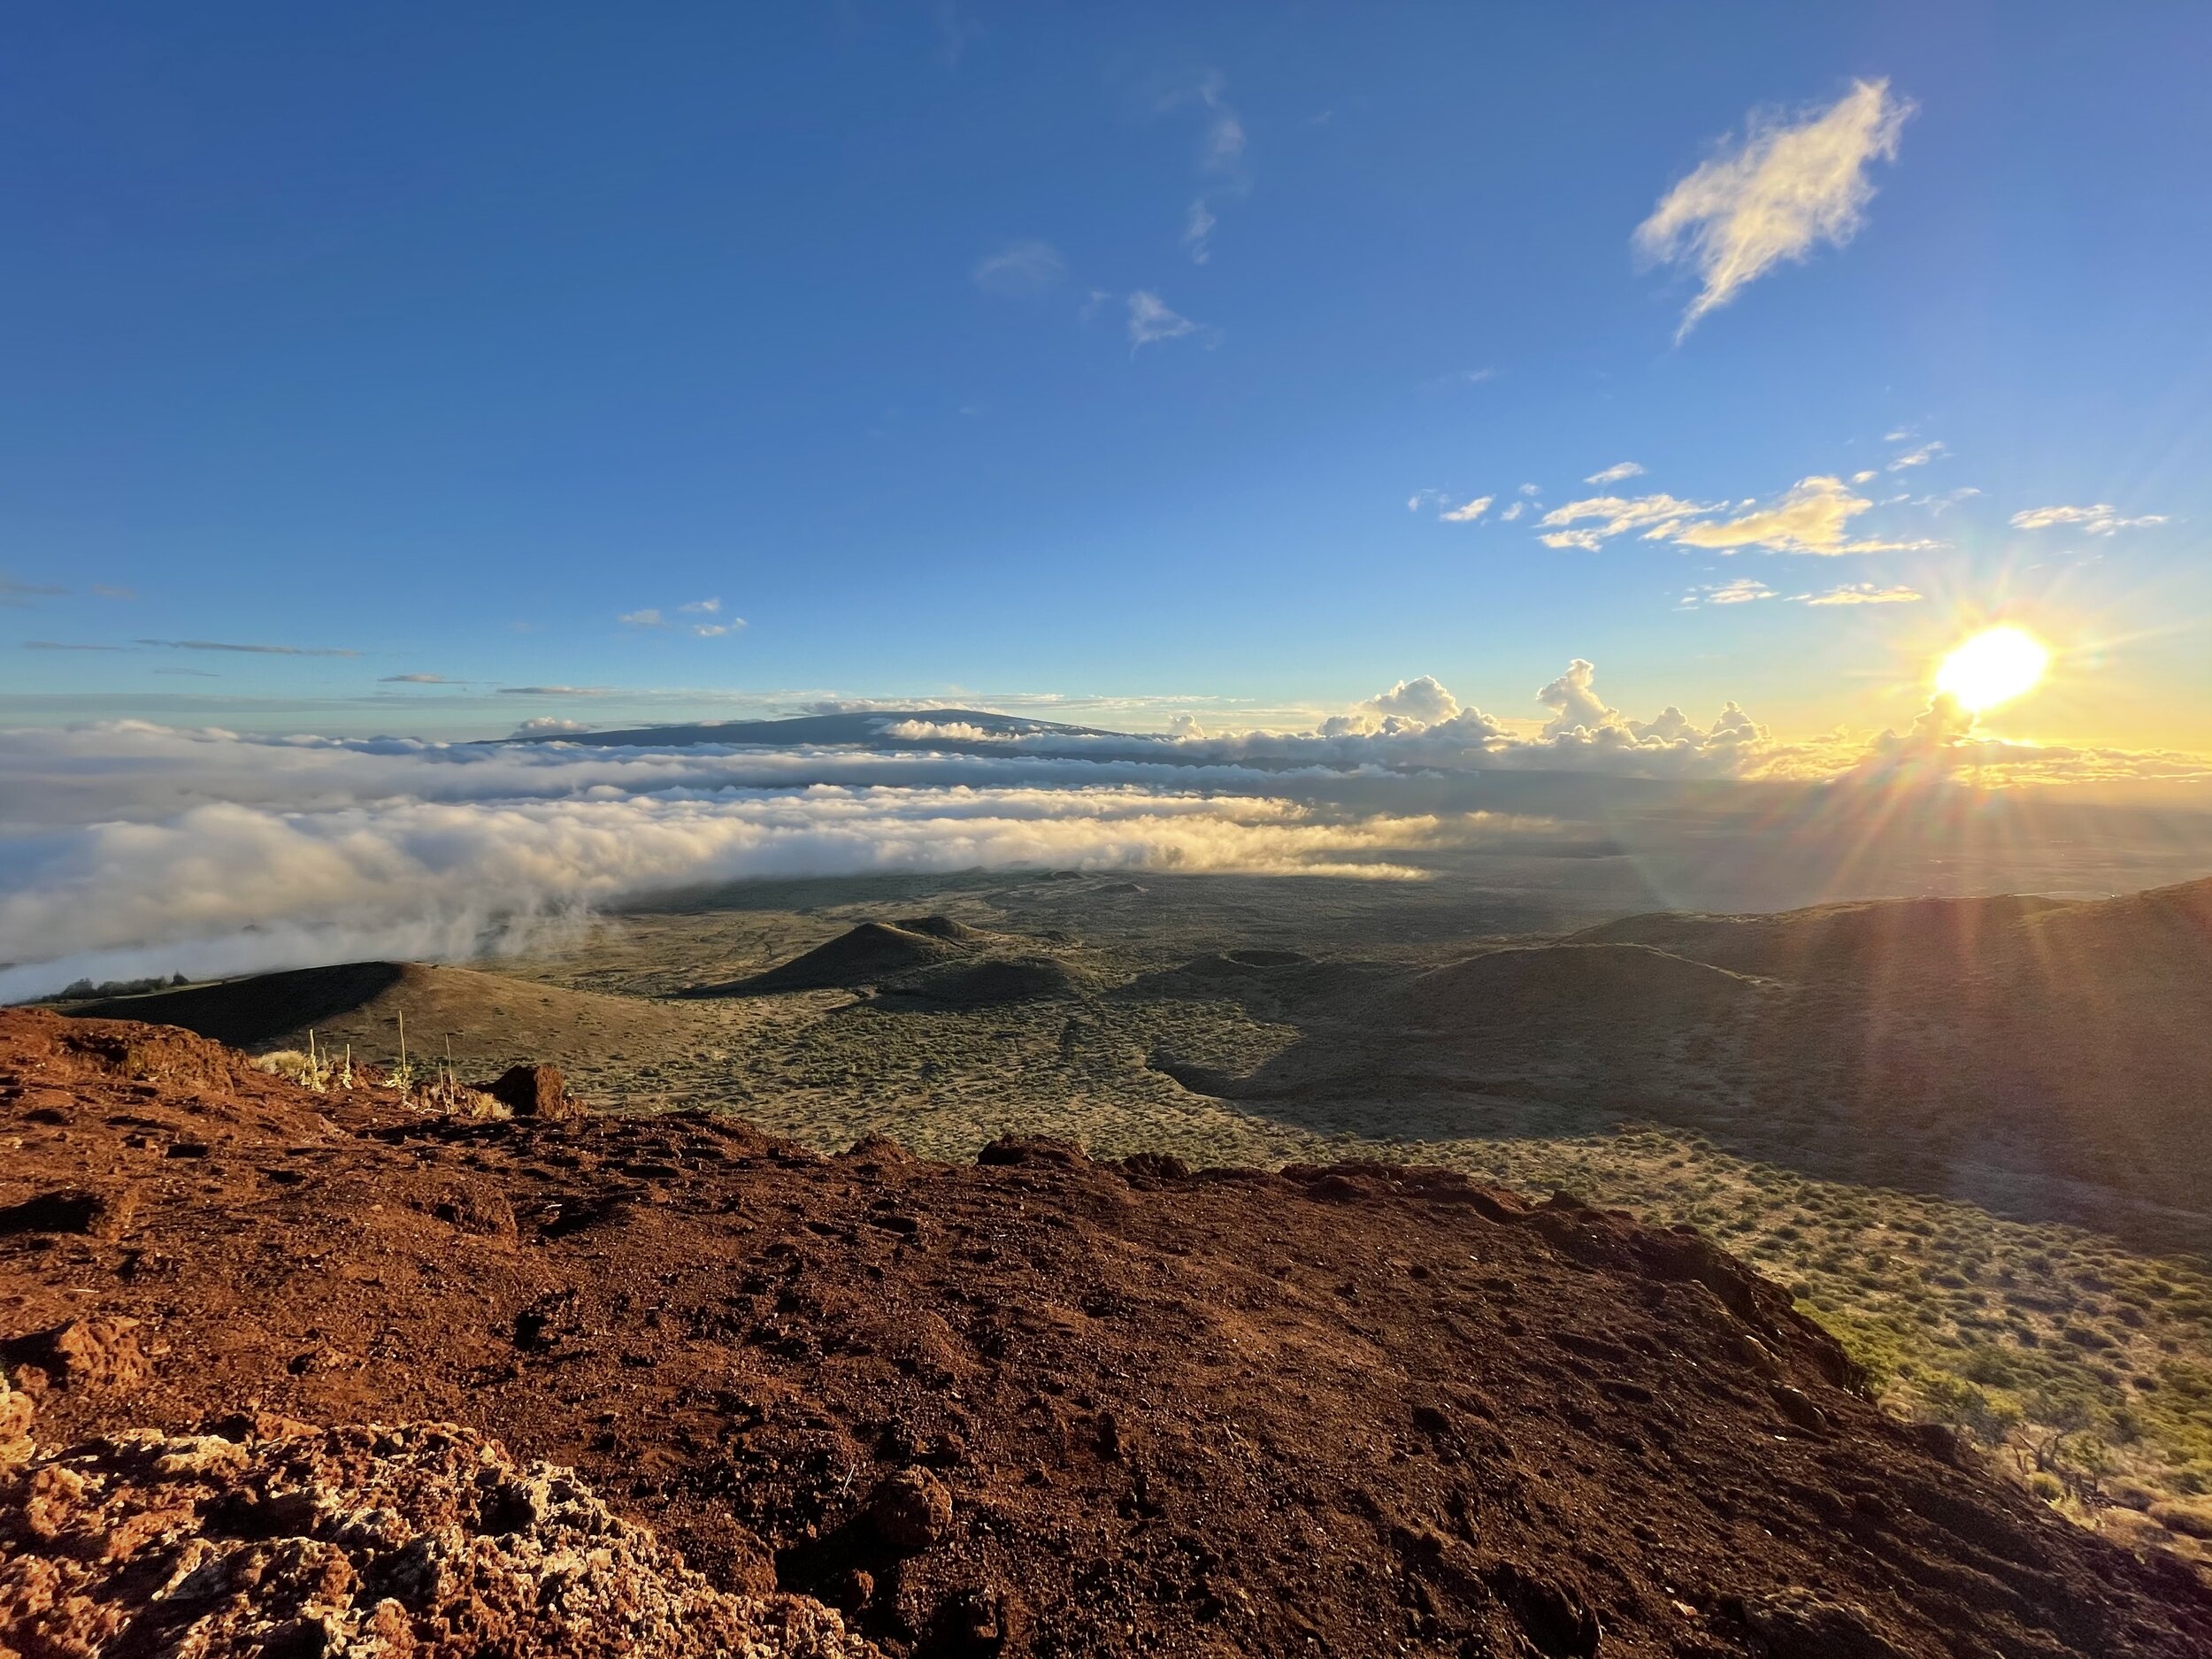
<point>1035,1405</point>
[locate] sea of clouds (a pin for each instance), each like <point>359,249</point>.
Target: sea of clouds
<point>129,849</point>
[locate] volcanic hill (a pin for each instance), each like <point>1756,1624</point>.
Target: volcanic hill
<point>485,1016</point>
<point>1032,1405</point>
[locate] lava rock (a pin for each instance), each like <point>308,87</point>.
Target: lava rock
<point>424,1539</point>
<point>910,1510</point>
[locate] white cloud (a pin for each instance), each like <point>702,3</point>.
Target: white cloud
<point>1615,473</point>
<point>1530,490</point>
<point>653,617</point>
<point>1150,320</point>
<point>549,726</point>
<point>1513,510</point>
<point>1789,186</point>
<point>1813,516</point>
<point>1615,515</point>
<point>1742,590</point>
<point>418,680</point>
<point>1423,699</point>
<point>1469,512</point>
<point>1865,477</point>
<point>554,691</point>
<point>1862,594</point>
<point>940,730</point>
<point>1198,225</point>
<point>2103,519</point>
<point>1019,268</point>
<point>1223,147</point>
<point>226,886</point>
<point>1920,457</point>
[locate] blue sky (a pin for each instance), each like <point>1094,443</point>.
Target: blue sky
<point>451,342</point>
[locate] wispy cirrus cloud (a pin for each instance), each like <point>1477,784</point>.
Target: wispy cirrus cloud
<point>1742,590</point>
<point>1813,516</point>
<point>64,645</point>
<point>1468,512</point>
<point>2101,519</point>
<point>418,680</point>
<point>1862,594</point>
<point>1616,473</point>
<point>1019,269</point>
<point>18,596</point>
<point>1150,320</point>
<point>1600,518</point>
<point>1198,226</point>
<point>554,691</point>
<point>249,650</point>
<point>1789,185</point>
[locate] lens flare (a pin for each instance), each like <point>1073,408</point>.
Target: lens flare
<point>1995,666</point>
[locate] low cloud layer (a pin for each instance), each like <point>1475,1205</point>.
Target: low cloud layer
<point>228,887</point>
<point>133,849</point>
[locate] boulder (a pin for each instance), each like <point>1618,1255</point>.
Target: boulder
<point>534,1091</point>
<point>424,1539</point>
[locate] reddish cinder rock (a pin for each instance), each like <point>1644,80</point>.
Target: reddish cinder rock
<point>1040,1405</point>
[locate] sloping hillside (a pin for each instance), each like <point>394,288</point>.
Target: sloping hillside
<point>1034,1405</point>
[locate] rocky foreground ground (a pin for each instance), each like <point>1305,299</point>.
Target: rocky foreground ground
<point>295,1373</point>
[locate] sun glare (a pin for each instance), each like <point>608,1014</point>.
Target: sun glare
<point>1995,666</point>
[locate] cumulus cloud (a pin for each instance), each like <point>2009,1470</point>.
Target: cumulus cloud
<point>1863,594</point>
<point>2103,519</point>
<point>1788,186</point>
<point>1613,473</point>
<point>1019,268</point>
<point>1468,512</point>
<point>940,731</point>
<point>1424,699</point>
<point>1150,320</point>
<point>1513,510</point>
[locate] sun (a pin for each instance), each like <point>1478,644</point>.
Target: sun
<point>1995,666</point>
